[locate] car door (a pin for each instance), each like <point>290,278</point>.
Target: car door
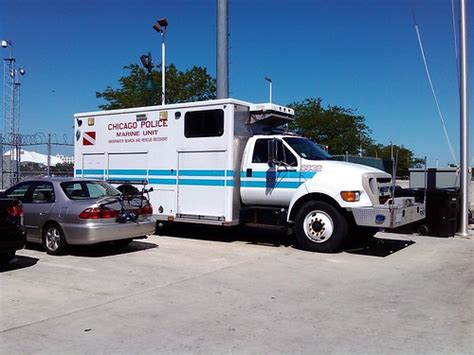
<point>262,184</point>
<point>39,208</point>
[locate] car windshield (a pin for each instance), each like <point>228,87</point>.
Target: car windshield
<point>307,149</point>
<point>86,190</point>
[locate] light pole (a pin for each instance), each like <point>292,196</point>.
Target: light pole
<point>11,111</point>
<point>269,86</point>
<point>161,26</point>
<point>147,63</point>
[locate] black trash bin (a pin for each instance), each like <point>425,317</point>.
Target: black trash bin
<point>442,211</point>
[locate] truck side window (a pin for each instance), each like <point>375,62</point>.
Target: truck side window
<point>260,151</point>
<point>284,155</point>
<point>207,123</point>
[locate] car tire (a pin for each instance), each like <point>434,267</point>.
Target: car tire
<point>122,243</point>
<point>54,241</point>
<point>5,258</point>
<point>320,227</point>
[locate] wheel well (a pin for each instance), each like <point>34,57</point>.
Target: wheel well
<point>315,197</point>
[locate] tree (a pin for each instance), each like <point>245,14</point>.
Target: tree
<point>191,85</point>
<point>336,127</point>
<point>405,157</point>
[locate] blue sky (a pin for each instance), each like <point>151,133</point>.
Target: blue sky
<point>360,54</point>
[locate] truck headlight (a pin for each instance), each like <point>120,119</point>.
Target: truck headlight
<point>350,196</point>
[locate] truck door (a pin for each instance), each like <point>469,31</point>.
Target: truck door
<point>266,185</point>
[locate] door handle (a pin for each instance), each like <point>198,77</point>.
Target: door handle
<point>248,173</point>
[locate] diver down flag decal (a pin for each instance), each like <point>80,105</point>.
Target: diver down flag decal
<point>88,138</point>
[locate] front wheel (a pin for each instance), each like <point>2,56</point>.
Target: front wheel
<point>54,240</point>
<point>320,227</point>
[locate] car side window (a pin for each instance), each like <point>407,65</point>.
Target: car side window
<point>43,193</point>
<point>20,192</point>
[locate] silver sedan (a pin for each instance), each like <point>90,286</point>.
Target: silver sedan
<point>59,212</point>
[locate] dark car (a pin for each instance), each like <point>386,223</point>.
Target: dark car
<point>12,231</point>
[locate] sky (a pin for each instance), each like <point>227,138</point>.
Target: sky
<point>359,54</point>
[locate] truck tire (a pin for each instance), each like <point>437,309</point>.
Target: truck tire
<point>320,227</point>
<point>54,241</point>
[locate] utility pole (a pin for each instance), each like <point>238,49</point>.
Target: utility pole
<point>222,50</point>
<point>465,179</point>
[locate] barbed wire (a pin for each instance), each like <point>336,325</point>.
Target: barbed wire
<point>38,138</point>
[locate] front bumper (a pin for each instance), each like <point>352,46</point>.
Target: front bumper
<point>403,211</point>
<point>93,233</point>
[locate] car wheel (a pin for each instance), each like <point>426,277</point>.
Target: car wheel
<point>320,227</point>
<point>53,239</point>
<point>123,242</point>
<point>5,258</point>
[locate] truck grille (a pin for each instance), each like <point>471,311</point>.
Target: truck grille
<point>378,188</point>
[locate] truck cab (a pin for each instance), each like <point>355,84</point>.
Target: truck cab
<point>315,191</point>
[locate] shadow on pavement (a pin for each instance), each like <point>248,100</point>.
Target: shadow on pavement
<point>103,249</point>
<point>110,249</point>
<point>379,247</point>
<point>19,262</point>
<point>277,237</point>
<point>259,236</point>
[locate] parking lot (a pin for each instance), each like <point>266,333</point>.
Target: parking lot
<point>213,290</point>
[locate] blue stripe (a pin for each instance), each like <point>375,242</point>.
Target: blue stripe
<point>230,173</point>
<point>168,172</point>
<point>162,181</point>
<point>281,174</point>
<point>131,179</point>
<point>202,173</point>
<point>278,184</point>
<point>127,172</point>
<point>90,171</point>
<point>199,182</point>
<point>229,182</point>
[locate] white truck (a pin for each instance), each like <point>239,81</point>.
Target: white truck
<point>228,162</point>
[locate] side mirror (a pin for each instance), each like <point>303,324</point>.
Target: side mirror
<point>271,152</point>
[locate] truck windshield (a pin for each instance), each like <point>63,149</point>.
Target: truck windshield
<point>307,149</point>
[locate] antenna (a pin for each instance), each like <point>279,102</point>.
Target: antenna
<point>432,88</point>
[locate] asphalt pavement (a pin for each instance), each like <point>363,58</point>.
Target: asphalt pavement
<point>218,290</point>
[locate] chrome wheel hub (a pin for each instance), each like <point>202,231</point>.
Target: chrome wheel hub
<point>318,226</point>
<point>52,238</point>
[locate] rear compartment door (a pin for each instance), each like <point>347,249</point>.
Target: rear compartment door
<point>129,167</point>
<point>202,192</point>
<point>93,166</point>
